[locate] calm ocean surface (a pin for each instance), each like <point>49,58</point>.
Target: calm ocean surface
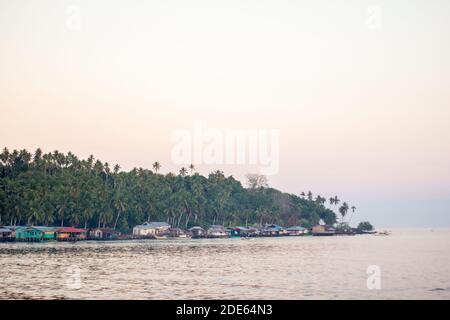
<point>414,264</point>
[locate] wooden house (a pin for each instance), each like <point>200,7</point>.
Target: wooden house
<point>323,230</point>
<point>6,235</point>
<point>151,229</point>
<point>13,229</point>
<point>216,231</point>
<point>297,231</point>
<point>238,231</point>
<point>29,234</point>
<point>177,233</point>
<point>273,230</point>
<point>70,234</point>
<point>47,233</point>
<point>103,234</point>
<point>197,232</point>
<point>253,232</point>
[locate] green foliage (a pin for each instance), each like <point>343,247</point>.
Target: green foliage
<point>59,189</point>
<point>365,226</point>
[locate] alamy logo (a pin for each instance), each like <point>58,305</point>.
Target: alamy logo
<point>374,278</point>
<point>73,277</point>
<point>374,17</point>
<point>259,147</point>
<point>73,21</point>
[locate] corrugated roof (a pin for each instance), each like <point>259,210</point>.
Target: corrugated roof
<point>273,227</point>
<point>238,228</point>
<point>14,227</point>
<point>196,228</point>
<point>153,225</point>
<point>70,230</point>
<point>45,229</point>
<point>296,228</point>
<point>217,227</point>
<point>105,230</point>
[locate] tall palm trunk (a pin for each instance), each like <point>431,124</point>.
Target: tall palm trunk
<point>187,220</point>
<point>117,219</point>
<point>179,220</point>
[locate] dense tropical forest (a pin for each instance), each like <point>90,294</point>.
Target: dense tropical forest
<point>60,189</point>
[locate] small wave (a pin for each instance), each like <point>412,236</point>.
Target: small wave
<point>438,289</point>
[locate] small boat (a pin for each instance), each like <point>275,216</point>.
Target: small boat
<point>384,233</point>
<point>368,232</point>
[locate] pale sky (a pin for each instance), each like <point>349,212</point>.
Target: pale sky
<point>359,90</point>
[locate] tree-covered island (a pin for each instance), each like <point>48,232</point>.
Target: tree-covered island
<point>62,190</point>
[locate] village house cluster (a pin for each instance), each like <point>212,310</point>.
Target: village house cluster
<point>154,230</point>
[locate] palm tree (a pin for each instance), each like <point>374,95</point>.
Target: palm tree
<point>34,216</point>
<point>98,167</point>
<point>343,210</point>
<point>183,171</point>
<point>156,166</point>
<point>353,211</point>
<point>86,215</point>
<point>107,168</point>
<point>331,200</point>
<point>192,168</point>
<point>310,196</point>
<point>320,200</point>
<point>90,162</point>
<point>303,194</point>
<point>120,207</point>
<point>61,211</point>
<point>4,156</point>
<point>37,156</point>
<point>336,200</point>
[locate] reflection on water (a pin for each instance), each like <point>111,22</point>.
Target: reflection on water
<point>414,264</point>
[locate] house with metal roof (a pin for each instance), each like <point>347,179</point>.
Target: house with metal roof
<point>177,233</point>
<point>273,230</point>
<point>103,234</point>
<point>30,234</point>
<point>149,229</point>
<point>47,233</point>
<point>197,232</point>
<point>13,229</point>
<point>216,231</point>
<point>70,234</point>
<point>323,230</point>
<point>6,235</point>
<point>296,231</point>
<point>238,231</point>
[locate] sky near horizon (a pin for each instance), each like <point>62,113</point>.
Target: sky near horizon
<point>358,90</point>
